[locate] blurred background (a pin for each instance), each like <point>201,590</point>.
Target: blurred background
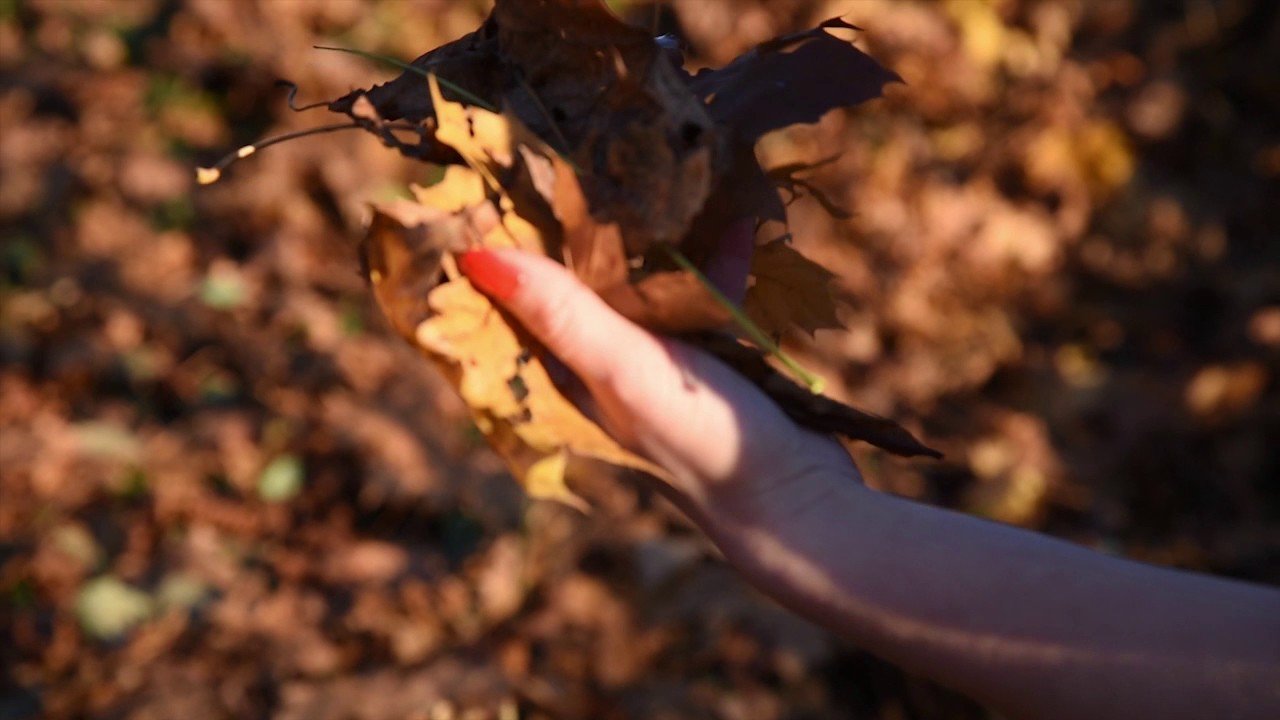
<point>226,490</point>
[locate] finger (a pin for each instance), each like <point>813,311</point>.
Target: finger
<point>649,393</point>
<point>566,316</point>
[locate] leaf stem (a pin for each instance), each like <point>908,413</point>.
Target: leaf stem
<point>758,336</point>
<point>464,93</point>
<point>457,89</point>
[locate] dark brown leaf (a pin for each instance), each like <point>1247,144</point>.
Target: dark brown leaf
<point>789,290</point>
<point>669,301</point>
<point>599,91</point>
<point>403,105</point>
<point>401,255</point>
<point>793,79</point>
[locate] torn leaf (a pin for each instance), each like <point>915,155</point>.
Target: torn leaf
<point>789,290</point>
<point>793,79</point>
<point>497,370</point>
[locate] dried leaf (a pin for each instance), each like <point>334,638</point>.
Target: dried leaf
<point>498,371</point>
<point>592,250</point>
<point>460,188</point>
<point>471,62</point>
<point>670,301</point>
<point>789,290</point>
<point>401,254</point>
<point>793,79</point>
<point>785,178</point>
<point>601,92</point>
<point>647,147</point>
<point>664,300</point>
<point>601,156</point>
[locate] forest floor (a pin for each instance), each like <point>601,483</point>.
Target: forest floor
<point>228,490</point>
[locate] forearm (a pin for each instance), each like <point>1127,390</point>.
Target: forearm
<point>1034,626</point>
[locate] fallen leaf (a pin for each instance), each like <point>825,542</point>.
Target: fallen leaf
<point>601,92</point>
<point>647,148</point>
<point>281,479</point>
<point>654,295</point>
<point>460,188</point>
<point>497,369</point>
<point>108,608</point>
<point>571,134</point>
<point>789,290</point>
<point>792,79</point>
<point>402,255</point>
<point>639,152</point>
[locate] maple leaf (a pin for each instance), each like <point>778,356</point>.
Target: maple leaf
<point>788,289</point>
<point>496,368</point>
<point>566,132</point>
<point>599,91</point>
<point>649,150</point>
<point>501,376</point>
<point>555,161</point>
<point>659,157</point>
<point>654,294</point>
<point>402,255</point>
<point>795,78</point>
<point>792,79</point>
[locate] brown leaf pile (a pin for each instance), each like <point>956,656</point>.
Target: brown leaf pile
<point>1096,355</point>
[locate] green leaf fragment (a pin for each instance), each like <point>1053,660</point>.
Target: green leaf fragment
<point>223,290</point>
<point>107,607</point>
<point>281,479</point>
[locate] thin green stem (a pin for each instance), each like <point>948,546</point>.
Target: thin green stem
<point>457,89</point>
<point>753,331</point>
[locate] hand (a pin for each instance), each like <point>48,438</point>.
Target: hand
<point>723,441</point>
<point>1033,626</point>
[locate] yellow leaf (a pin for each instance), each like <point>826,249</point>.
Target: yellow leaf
<point>460,188</point>
<point>512,390</point>
<point>467,329</point>
<point>497,369</point>
<point>545,479</point>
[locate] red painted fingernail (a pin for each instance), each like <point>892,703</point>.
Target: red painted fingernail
<point>489,273</point>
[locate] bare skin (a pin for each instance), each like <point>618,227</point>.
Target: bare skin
<point>1032,626</point>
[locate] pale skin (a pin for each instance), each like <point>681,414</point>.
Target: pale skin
<point>1032,626</point>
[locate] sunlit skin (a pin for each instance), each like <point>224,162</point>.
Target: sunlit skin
<point>1033,626</point>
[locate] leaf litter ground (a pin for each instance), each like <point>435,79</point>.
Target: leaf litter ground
<point>1091,362</point>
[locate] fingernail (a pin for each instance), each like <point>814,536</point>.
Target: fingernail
<point>489,273</point>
